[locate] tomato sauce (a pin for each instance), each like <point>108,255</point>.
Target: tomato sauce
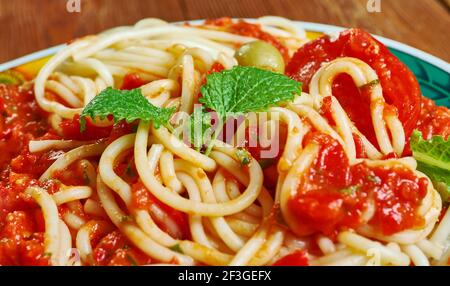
<point>115,250</point>
<point>297,258</point>
<point>21,221</point>
<point>356,103</point>
<point>22,243</point>
<point>132,81</point>
<point>325,111</point>
<point>71,130</point>
<point>143,199</point>
<point>333,195</point>
<point>267,155</point>
<point>433,120</point>
<point>400,87</point>
<point>74,175</point>
<point>21,120</point>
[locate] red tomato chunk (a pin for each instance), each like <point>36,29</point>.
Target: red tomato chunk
<point>400,87</point>
<point>333,195</point>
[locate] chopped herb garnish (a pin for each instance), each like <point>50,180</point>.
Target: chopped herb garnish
<point>350,190</point>
<point>131,260</point>
<point>176,248</point>
<point>374,179</point>
<point>11,77</point>
<point>47,254</point>
<point>244,156</point>
<point>371,84</point>
<point>125,218</point>
<point>129,170</point>
<point>85,177</point>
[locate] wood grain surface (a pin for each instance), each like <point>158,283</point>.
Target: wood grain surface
<point>31,25</point>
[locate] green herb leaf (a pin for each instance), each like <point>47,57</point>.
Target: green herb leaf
<point>246,89</point>
<point>131,260</point>
<point>125,218</point>
<point>176,248</point>
<point>371,84</point>
<point>374,179</point>
<point>244,156</point>
<point>433,157</point>
<point>47,254</point>
<point>11,77</point>
<point>128,105</point>
<point>350,190</point>
<point>233,92</point>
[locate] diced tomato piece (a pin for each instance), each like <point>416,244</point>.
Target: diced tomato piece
<point>71,130</point>
<point>143,199</point>
<point>21,120</point>
<point>21,243</point>
<point>400,87</point>
<point>332,195</point>
<point>132,81</point>
<point>115,250</point>
<point>434,120</point>
<point>297,258</point>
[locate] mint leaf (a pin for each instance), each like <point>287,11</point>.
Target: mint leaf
<point>246,89</point>
<point>128,105</point>
<point>433,157</point>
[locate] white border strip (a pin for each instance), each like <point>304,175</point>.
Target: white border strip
<point>30,57</point>
<point>313,27</point>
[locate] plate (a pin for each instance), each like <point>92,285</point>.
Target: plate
<point>432,73</point>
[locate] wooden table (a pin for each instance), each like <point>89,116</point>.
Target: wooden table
<point>31,25</point>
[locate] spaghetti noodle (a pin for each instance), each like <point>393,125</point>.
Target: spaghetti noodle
<point>135,194</point>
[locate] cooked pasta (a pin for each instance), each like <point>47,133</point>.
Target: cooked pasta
<point>338,191</point>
